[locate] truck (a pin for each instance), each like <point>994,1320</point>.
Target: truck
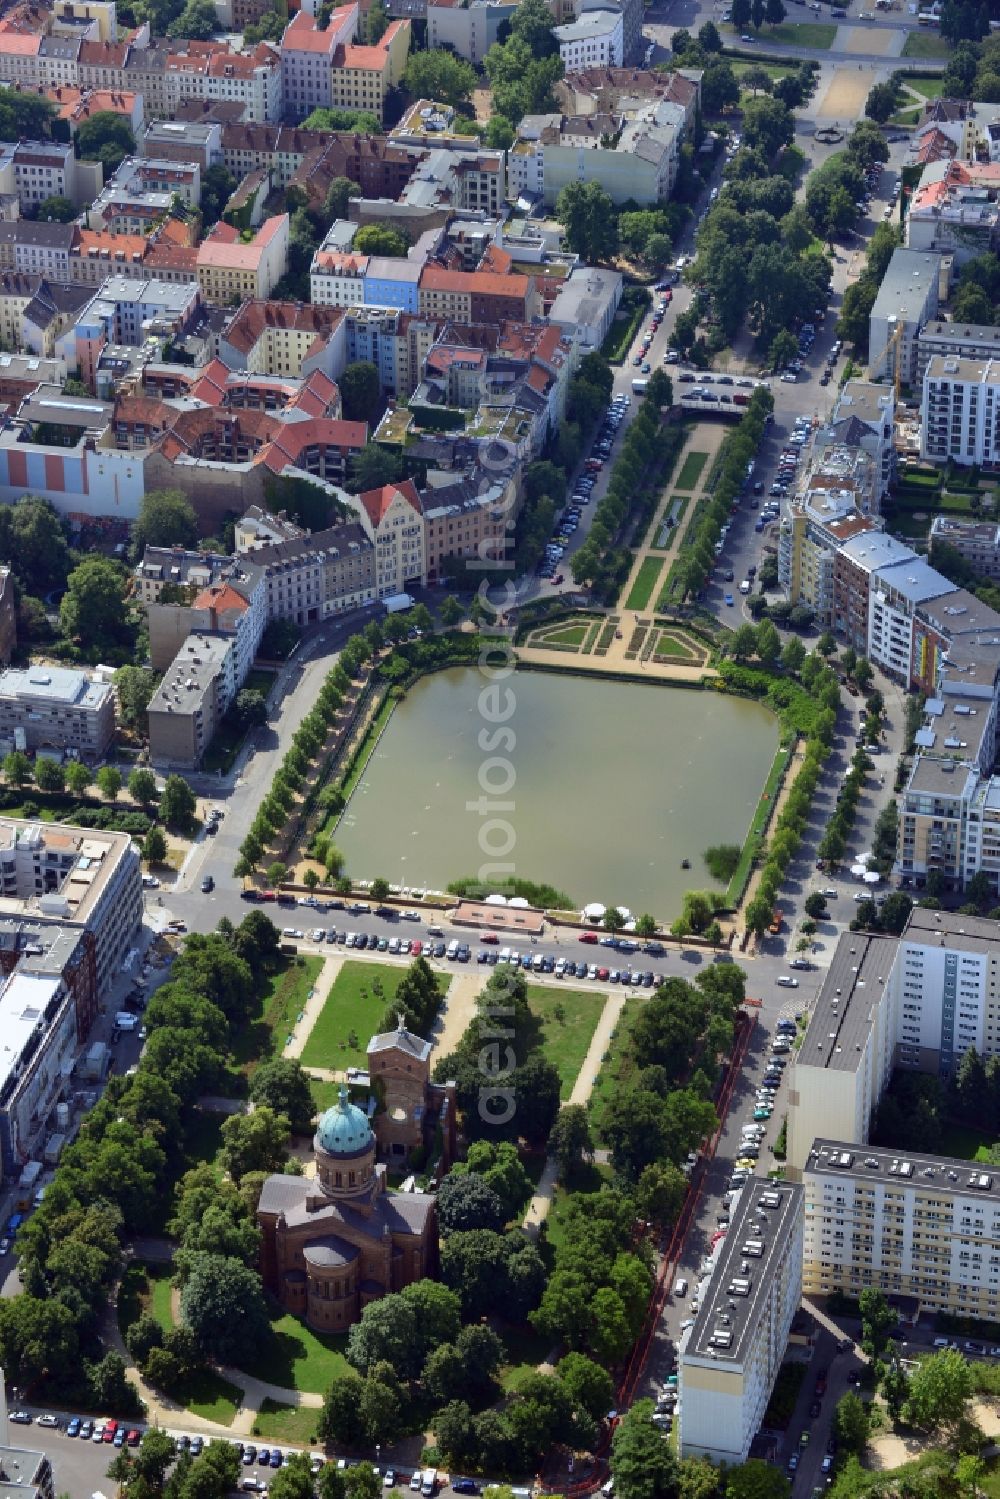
<point>125,1020</point>
<point>777,921</point>
<point>27,1185</point>
<point>54,1149</point>
<point>640,387</point>
<point>397,602</point>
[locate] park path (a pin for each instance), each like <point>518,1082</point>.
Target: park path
<point>457,1011</point>
<point>538,1207</point>
<point>705,439</point>
<point>313,1007</point>
<point>709,439</point>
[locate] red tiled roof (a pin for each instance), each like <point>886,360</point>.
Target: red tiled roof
<point>301,34</point>
<point>377,501</point>
<point>481,283</point>
<point>219,598</point>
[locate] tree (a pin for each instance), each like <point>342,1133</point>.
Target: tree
<point>223,1305</point>
<point>940,1390</point>
<point>107,137</point>
<point>166,519</point>
<point>380,888</point>
<point>587,213</point>
<point>360,389</point>
<point>142,786</point>
<point>642,1463</point>
<point>720,88</point>
<point>78,777</point>
<point>372,467</point>
<point>741,14</point>
<point>338,196</point>
<point>439,75</point>
<point>280,1085</point>
<point>109,782</point>
<point>251,707</point>
<point>380,239</point>
<point>93,611</point>
<point>793,655</point>
<point>850,1423</point>
<point>881,102</point>
<point>254,1142</point>
<point>660,1193</point>
<point>708,37</point>
<point>590,1386</point>
<point>784,348</point>
<point>466,1202</point>
<point>177,802</point>
<point>294,1480</point>
<point>571,1141</point>
<point>877,1319</point>
<point>134,686</point>
<point>768,642</point>
<point>154,846</point>
<point>756,14</point>
<point>17,768</point>
<point>758,81</point>
<point>49,774</point>
<point>56,209</point>
<point>774,12</point>
<point>756,1479</point>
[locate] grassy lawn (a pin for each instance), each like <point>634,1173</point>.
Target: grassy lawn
<point>669,647</point>
<point>526,1350</point>
<point>589,1180</point>
<point>966,1144</point>
<point>284,997</point>
<point>352,1012</point>
<point>260,681</point>
<point>573,635</point>
<point>324,1094</point>
<point>926,44</point>
<point>145,1288</point>
<point>161,1292</point>
<point>298,1358</point>
<point>774,70</point>
<point>645,581</point>
<point>616,1069</point>
<point>927,88</point>
<point>690,470</point>
<point>213,1398</point>
<point>204,1135</point>
<point>568,1019</point>
<point>295,1424</point>
<point>818,34</point>
<point>761,817</point>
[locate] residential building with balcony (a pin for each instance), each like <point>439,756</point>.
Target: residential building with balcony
<point>729,1360</point>
<point>960,411</point>
<point>907,298</point>
<point>596,39</point>
<point>978,542</point>
<point>395,519</point>
<point>307,59</point>
<point>910,1224</point>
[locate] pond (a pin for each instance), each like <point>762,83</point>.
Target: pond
<point>613,785</point>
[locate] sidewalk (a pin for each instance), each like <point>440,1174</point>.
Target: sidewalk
<point>538,1207</point>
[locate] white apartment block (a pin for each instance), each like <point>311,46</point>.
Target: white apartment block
<point>917,1002</point>
<point>907,298</point>
<point>960,410</point>
<point>728,1361</point>
<point>921,1226</point>
<point>595,40</point>
<point>896,592</point>
<point>57,874</point>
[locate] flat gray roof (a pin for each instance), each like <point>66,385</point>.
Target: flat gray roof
<point>764,1217</point>
<point>908,278</point>
<point>916,1169</point>
<point>54,684</point>
<point>915,580</point>
<point>951,928</point>
<point>940,778</point>
<point>842,1017</point>
<point>876,549</point>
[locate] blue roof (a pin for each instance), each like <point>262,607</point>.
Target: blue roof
<point>344,1129</point>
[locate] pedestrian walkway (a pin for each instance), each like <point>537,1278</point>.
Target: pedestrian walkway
<point>538,1207</point>
<point>311,1012</point>
<point>702,439</point>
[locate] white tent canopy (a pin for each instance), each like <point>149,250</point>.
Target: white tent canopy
<point>594,911</point>
<point>872,877</point>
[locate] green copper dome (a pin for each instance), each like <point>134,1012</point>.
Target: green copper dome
<point>344,1130</point>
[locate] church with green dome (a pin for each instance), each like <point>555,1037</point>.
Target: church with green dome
<point>333,1242</point>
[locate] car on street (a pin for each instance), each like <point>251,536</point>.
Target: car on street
<point>48,1420</point>
<point>73,1427</point>
<point>20,1418</point>
<point>207,884</point>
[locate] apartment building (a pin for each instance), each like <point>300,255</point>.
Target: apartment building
<point>395,516</point>
<point>308,576</point>
<point>977,541</point>
<point>849,1048</point>
<point>394,342</point>
<point>915,1225</point>
<point>633,155</point>
<point>594,40</point>
<point>863,418</point>
<point>960,340</point>
<point>179,573</point>
<point>40,249</point>
<point>896,593</point>
<point>809,538</point>
<point>96,255</point>
<point>286,339</point>
<point>467,27</point>
<point>230,270</point>
<point>478,296</point>
<point>52,708</point>
<point>187,707</point>
<point>37,170</point>
<point>53,874</point>
<point>464,521</point>
<point>184,140</point>
<point>307,59</point>
<point>361,77</point>
<point>855,563</point>
<point>954,210</point>
<point>729,1360</point>
<point>960,410</point>
<point>907,298</point>
<point>211,71</point>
